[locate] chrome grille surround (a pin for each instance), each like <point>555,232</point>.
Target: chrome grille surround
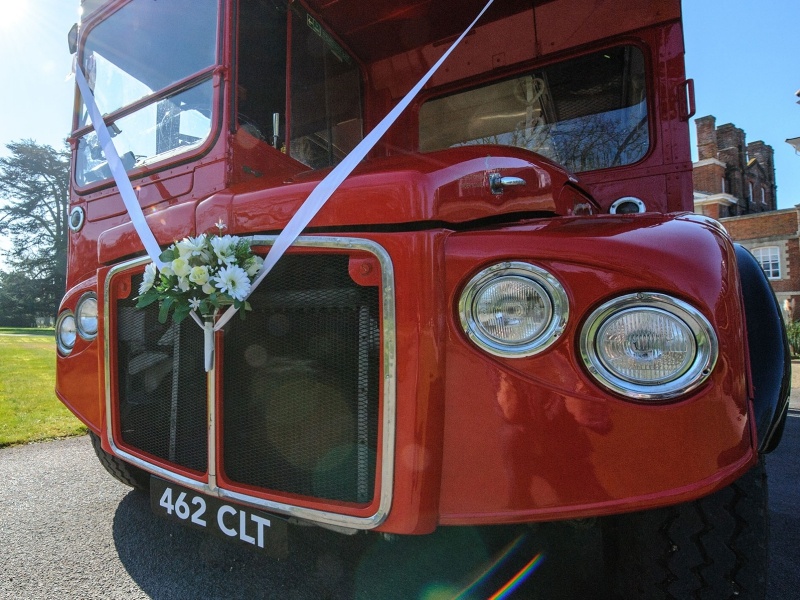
<point>386,441</point>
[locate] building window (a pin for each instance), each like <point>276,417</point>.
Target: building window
<point>723,186</point>
<point>763,196</point>
<point>769,259</point>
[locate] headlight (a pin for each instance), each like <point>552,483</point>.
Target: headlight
<point>86,316</point>
<point>648,346</point>
<point>65,332</point>
<point>513,309</point>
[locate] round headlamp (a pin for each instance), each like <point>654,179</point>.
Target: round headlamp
<point>66,332</point>
<point>513,309</point>
<point>648,346</point>
<point>86,316</point>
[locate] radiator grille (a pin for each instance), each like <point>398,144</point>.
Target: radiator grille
<point>301,383</point>
<point>161,385</point>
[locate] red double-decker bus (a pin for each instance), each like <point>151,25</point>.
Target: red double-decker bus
<point>474,292</point>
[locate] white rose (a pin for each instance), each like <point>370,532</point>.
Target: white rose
<point>254,265</point>
<point>181,268</point>
<point>199,275</point>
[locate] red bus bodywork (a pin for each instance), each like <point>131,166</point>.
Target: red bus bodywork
<point>462,436</point>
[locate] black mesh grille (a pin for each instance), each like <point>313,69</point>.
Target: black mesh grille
<point>301,383</point>
<point>162,385</point>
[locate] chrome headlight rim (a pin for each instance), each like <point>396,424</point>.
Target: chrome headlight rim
<point>547,285</point>
<point>86,334</point>
<point>65,347</point>
<point>686,379</point>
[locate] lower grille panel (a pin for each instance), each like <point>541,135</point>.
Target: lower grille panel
<point>299,380</point>
<point>301,383</point>
<point>162,385</point>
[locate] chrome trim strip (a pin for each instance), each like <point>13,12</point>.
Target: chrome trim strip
<point>388,424</point>
<point>211,395</point>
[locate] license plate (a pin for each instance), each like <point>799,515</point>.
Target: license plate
<point>228,521</point>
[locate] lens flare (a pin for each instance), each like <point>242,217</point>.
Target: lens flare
<point>516,581</point>
<point>507,589</point>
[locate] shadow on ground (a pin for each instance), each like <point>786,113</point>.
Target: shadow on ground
<point>167,560</point>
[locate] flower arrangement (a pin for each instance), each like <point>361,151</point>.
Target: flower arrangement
<point>200,274</point>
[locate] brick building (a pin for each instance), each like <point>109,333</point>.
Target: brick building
<point>734,182</point>
<point>731,177</point>
<point>774,239</point>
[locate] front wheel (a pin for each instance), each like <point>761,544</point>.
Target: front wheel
<point>711,548</point>
<point>126,473</point>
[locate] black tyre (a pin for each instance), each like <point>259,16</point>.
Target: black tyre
<point>135,477</point>
<point>713,548</point>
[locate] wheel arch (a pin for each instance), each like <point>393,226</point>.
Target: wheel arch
<point>768,348</point>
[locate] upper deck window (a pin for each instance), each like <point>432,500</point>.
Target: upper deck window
<point>587,113</point>
<point>145,50</point>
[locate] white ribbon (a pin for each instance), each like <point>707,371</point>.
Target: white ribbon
<point>316,199</point>
<point>118,171</point>
<point>330,184</point>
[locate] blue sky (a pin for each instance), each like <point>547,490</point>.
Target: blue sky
<point>743,57</point>
<point>745,61</point>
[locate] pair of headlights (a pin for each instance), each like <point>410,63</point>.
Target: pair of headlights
<point>646,346</point>
<point>83,323</point>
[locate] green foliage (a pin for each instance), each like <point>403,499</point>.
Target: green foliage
<point>29,409</point>
<point>793,332</point>
<point>34,188</point>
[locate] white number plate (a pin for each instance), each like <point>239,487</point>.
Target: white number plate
<point>230,521</point>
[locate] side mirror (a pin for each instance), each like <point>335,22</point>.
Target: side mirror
<point>72,39</point>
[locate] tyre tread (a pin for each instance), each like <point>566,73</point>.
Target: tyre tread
<point>713,548</point>
<point>123,472</point>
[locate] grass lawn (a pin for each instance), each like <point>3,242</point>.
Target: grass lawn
<point>29,409</point>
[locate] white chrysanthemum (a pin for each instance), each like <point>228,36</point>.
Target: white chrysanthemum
<point>181,267</point>
<point>199,275</point>
<point>191,246</point>
<point>233,280</point>
<point>253,265</point>
<point>225,248</point>
<point>149,278</point>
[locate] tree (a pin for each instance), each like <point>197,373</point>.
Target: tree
<point>34,183</point>
<point>19,298</point>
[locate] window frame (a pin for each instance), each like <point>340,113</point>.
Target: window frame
<point>210,73</point>
<point>650,99</point>
<point>765,255</point>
